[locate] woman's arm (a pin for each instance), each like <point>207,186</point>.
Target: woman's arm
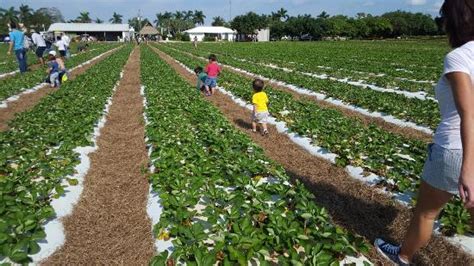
<point>463,92</point>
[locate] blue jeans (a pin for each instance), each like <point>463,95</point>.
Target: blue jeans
<point>211,82</point>
<point>21,57</point>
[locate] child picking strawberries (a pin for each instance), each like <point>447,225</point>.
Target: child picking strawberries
<point>213,70</point>
<point>260,107</point>
<point>201,79</point>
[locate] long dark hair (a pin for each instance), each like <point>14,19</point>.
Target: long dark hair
<point>458,21</point>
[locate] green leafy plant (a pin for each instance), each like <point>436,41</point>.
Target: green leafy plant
<point>13,85</point>
<point>37,154</point>
<point>223,200</point>
<point>397,159</point>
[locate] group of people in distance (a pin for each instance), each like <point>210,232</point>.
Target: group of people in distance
<point>207,84</point>
<point>20,44</point>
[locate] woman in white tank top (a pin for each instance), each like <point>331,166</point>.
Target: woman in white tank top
<point>449,168</point>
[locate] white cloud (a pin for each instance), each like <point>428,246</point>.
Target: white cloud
<point>368,3</point>
<point>417,2</point>
<point>436,7</point>
<point>438,4</point>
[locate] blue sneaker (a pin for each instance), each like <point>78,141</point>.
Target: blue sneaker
<point>389,251</point>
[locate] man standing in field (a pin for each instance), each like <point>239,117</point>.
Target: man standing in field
<point>62,48</point>
<point>40,44</point>
<point>16,43</point>
<point>66,40</point>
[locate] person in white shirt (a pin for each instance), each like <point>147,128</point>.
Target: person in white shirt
<point>61,48</point>
<point>66,40</point>
<point>449,168</point>
<point>40,44</point>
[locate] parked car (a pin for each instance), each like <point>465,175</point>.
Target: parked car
<point>306,37</point>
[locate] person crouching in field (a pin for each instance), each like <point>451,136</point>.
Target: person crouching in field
<point>201,79</point>
<point>57,71</point>
<point>53,70</point>
<point>260,107</point>
<point>213,70</point>
<point>449,167</point>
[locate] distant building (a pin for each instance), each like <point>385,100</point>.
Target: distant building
<point>262,35</point>
<point>221,33</point>
<point>102,32</point>
<point>150,32</point>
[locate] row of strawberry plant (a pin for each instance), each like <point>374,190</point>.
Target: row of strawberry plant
<point>13,85</point>
<point>396,158</point>
<point>37,153</point>
<point>249,210</point>
<point>421,112</point>
<point>384,67</point>
<point>304,66</point>
<point>9,63</point>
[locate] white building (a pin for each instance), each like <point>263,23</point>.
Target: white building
<point>222,33</point>
<point>263,35</point>
<point>103,32</point>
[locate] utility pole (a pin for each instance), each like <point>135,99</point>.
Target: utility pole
<point>139,23</point>
<point>230,10</point>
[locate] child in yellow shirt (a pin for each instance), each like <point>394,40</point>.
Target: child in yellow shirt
<point>260,107</point>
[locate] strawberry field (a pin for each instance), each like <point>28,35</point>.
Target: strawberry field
<point>208,191</point>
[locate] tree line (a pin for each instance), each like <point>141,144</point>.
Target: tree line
<point>388,25</point>
<point>39,19</point>
<point>172,23</point>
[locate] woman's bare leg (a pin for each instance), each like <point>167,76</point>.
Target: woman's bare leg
<point>430,203</point>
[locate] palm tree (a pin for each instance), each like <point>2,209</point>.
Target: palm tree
<point>324,15</point>
<point>178,15</point>
<point>199,17</point>
<point>99,21</point>
<point>116,18</point>
<point>9,14</point>
<point>163,21</point>
<point>188,15</point>
<point>25,12</point>
<point>159,19</point>
<point>283,13</point>
<point>138,24</point>
<point>218,21</point>
<point>84,17</point>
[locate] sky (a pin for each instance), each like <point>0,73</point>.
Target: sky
<point>103,9</point>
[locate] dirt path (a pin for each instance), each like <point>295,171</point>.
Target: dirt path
<point>352,204</point>
<point>404,131</point>
<point>28,101</point>
<point>110,225</point>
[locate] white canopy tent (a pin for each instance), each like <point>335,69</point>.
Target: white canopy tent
<point>222,33</point>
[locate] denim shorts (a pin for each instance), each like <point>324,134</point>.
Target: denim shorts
<point>211,82</point>
<point>442,168</point>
